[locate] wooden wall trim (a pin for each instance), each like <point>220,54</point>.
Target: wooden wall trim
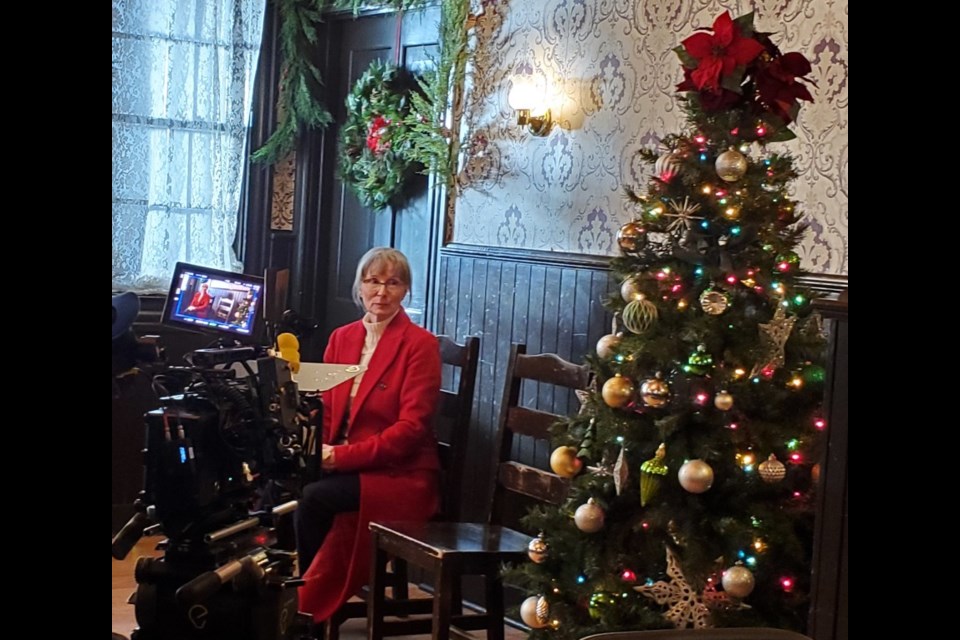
<point>828,284</point>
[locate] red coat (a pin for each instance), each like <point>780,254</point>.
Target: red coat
<point>391,444</point>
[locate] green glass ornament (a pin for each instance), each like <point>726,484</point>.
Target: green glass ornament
<point>651,474</point>
<point>699,361</point>
<point>599,602</point>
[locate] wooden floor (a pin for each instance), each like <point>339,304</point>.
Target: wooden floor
<point>124,584</point>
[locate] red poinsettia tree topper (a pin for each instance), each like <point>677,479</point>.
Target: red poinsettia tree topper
<point>720,54</point>
<point>732,66</point>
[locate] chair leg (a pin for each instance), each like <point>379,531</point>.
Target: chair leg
<point>375,600</point>
<point>331,628</point>
<point>401,590</point>
<point>494,588</point>
<point>442,600</point>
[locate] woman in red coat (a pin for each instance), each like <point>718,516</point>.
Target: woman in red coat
<point>379,453</point>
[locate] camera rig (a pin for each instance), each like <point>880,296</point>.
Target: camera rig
<point>223,464</point>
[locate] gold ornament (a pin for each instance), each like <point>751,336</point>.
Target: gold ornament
<point>774,336</point>
<point>669,165</point>
<point>632,237</point>
<point>723,401</point>
<point>651,475</point>
<point>617,391</point>
<point>738,581</point>
<point>772,470</point>
<point>639,315</point>
<point>714,301</point>
<point>630,290</point>
<point>696,476</point>
<point>589,517</point>
<point>655,392</point>
<point>564,462</point>
<point>538,549</point>
<point>731,165</point>
<point>687,608</point>
<point>607,345</point>
<point>535,612</point>
<point>620,471</point>
<point>683,215</point>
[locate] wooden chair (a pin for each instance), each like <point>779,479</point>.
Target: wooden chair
<point>451,425</point>
<point>450,550</point>
<point>730,633</point>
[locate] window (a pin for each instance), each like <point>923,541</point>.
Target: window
<point>183,75</point>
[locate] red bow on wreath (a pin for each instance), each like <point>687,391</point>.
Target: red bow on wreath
<point>378,129</point>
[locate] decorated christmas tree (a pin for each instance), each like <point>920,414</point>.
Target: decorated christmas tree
<point>692,460</point>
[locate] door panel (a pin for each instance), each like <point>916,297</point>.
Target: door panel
<point>353,229</point>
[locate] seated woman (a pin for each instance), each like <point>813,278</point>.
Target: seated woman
<point>379,453</point>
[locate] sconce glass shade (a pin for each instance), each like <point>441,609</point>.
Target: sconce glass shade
<point>525,93</point>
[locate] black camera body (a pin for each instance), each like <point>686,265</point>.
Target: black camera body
<point>223,465</point>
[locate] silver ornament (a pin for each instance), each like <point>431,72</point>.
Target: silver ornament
<point>738,581</point>
<point>668,166</point>
<point>630,290</point>
<point>589,517</point>
<point>696,476</point>
<point>731,165</point>
<point>538,549</point>
<point>607,345</point>
<point>655,393</point>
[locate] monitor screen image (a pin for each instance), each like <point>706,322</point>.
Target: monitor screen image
<point>208,299</point>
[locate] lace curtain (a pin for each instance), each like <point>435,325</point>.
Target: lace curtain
<point>183,73</point>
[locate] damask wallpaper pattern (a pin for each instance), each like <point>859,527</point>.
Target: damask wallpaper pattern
<point>610,75</point>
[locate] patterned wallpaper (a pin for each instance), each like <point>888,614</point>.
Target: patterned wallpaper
<point>610,74</point>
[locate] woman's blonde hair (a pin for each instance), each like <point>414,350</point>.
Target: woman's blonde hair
<point>381,259</point>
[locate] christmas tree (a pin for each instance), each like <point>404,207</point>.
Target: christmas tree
<point>692,458</point>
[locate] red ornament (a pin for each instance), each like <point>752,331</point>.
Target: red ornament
<point>375,133</point>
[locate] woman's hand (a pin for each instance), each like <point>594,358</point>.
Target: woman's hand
<point>327,461</point>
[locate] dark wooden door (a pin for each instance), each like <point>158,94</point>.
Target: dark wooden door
<point>410,40</point>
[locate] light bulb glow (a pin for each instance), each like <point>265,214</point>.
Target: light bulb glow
<point>732,426</point>
<point>731,279</point>
<point>792,444</point>
<point>703,157</point>
<point>739,372</point>
<point>735,231</point>
<point>798,300</point>
<point>700,139</point>
<point>682,305</point>
<point>751,561</point>
<point>796,457</point>
<point>787,584</point>
<point>820,423</point>
<point>701,398</point>
<point>628,575</point>
<point>706,189</point>
<point>581,579</point>
<point>704,224</point>
<point>761,130</point>
<point>619,439</point>
<point>698,271</point>
<point>644,525</point>
<point>796,382</point>
<point>676,288</point>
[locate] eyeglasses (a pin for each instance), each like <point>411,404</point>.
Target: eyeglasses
<point>372,284</point>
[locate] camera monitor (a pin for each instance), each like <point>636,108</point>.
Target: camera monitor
<point>222,302</point>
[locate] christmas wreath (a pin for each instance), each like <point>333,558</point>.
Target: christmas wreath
<point>375,145</point>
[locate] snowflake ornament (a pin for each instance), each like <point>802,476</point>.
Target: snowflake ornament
<point>687,607</point>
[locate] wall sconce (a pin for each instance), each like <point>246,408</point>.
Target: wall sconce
<point>525,95</point>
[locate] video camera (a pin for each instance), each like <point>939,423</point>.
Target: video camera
<point>224,462</point>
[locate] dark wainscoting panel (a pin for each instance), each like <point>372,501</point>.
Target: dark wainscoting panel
<point>552,303</point>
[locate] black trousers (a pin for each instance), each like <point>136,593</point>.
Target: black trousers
<point>320,503</point>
